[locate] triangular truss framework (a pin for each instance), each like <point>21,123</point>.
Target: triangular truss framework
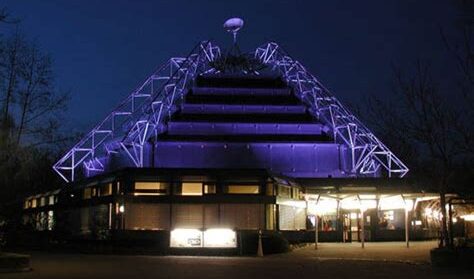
<point>368,154</point>
<point>142,114</point>
<point>139,116</point>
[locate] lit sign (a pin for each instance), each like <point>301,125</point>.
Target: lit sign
<point>210,238</point>
<point>186,238</point>
<point>222,238</point>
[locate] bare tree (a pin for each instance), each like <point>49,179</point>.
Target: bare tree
<point>460,47</point>
<point>422,124</point>
<point>433,131</point>
<point>10,63</point>
<point>37,98</point>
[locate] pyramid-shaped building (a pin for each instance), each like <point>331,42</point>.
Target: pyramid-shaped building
<point>224,143</point>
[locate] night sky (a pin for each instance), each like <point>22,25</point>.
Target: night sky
<point>102,51</point>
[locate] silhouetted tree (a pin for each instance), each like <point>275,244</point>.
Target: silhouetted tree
<point>433,132</point>
<point>31,108</point>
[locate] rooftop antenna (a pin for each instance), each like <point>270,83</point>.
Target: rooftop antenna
<point>233,25</point>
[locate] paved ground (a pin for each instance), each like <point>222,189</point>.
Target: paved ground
<point>330,261</point>
<point>380,251</point>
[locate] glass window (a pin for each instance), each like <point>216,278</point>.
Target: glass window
<point>284,191</point>
<point>50,220</point>
<point>42,201</point>
<point>150,188</point>
<point>243,189</point>
<point>87,193</point>
<point>209,188</point>
<point>51,200</point>
<point>33,203</point>
<point>386,221</point>
<point>191,189</point>
<point>270,191</point>
<point>327,223</point>
<point>105,190</point>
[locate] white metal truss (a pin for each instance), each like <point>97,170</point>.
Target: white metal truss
<point>138,117</point>
<point>368,154</point>
<point>142,114</point>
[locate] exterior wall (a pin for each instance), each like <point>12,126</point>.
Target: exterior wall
<point>294,160</point>
<point>100,207</point>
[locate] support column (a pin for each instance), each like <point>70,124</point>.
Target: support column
<point>362,228</point>
<point>450,224</point>
<point>407,228</point>
<point>316,236</point>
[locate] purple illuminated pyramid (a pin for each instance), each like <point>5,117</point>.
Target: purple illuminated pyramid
<point>257,111</point>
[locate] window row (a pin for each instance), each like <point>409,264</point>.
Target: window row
<point>192,189</point>
<point>40,201</point>
<point>97,191</point>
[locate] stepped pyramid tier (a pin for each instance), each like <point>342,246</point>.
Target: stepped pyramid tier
<point>211,111</point>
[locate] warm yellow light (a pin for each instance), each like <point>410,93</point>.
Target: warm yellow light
<point>358,204</point>
<point>220,238</point>
<point>323,206</point>
<point>191,189</point>
<point>350,204</point>
<point>469,217</point>
<point>396,202</point>
<point>428,212</point>
<point>368,204</point>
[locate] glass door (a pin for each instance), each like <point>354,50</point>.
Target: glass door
<point>346,227</point>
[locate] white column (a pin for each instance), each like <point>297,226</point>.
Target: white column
<point>407,234</point>
<point>260,246</point>
<point>316,237</point>
<point>362,228</point>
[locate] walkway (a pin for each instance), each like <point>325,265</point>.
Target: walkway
<point>419,251</point>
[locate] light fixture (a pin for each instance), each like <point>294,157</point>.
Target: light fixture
<point>220,238</point>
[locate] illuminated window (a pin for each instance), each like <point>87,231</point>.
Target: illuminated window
<point>270,191</point>
<point>209,188</point>
<point>27,204</point>
<point>50,221</point>
<point>243,189</point>
<point>33,203</point>
<point>51,200</point>
<point>42,201</point>
<point>284,191</point>
<point>386,221</point>
<point>388,215</point>
<point>87,193</point>
<point>295,193</point>
<point>191,189</point>
<point>105,190</point>
<point>150,188</point>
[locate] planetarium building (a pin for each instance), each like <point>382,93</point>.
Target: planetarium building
<point>220,144</point>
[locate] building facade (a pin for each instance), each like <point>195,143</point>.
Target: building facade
<point>213,145</point>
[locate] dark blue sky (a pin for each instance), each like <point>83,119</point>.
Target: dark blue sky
<point>104,49</point>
